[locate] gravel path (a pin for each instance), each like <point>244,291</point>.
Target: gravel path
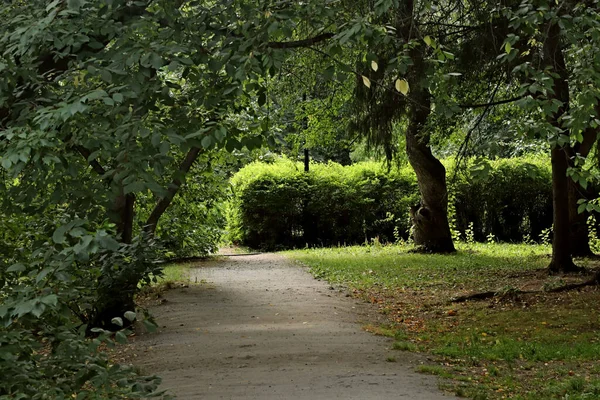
<point>260,327</point>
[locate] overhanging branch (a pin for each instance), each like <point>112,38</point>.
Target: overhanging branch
<point>493,103</point>
<point>300,43</point>
<point>164,202</point>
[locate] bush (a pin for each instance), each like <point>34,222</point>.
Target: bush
<point>278,205</point>
<point>49,290</point>
<point>510,199</point>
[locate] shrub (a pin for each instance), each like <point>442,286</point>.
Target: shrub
<point>49,290</point>
<point>278,205</point>
<point>508,198</point>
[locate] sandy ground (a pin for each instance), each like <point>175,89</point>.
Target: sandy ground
<point>260,327</point>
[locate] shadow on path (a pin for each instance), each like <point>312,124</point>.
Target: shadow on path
<point>259,327</point>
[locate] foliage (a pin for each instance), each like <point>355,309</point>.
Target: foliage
<point>50,290</point>
<point>280,205</point>
<point>507,198</point>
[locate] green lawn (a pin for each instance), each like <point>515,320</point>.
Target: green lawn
<point>524,346</point>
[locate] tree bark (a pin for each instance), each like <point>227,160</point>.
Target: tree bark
<point>124,213</point>
<point>431,231</point>
<point>430,218</point>
<point>561,262</point>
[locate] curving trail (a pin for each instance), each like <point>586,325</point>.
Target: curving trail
<point>260,327</point>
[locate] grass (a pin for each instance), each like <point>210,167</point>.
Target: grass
<point>173,274</point>
<point>523,346</point>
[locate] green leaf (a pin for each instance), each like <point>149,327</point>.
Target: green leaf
<point>49,300</point>
<point>507,47</point>
<point>74,5</point>
<point>134,187</point>
<point>18,267</point>
<point>117,321</point>
<point>118,97</point>
<point>150,326</point>
<point>58,236</point>
<point>130,315</point>
<point>156,61</point>
<point>206,141</point>
<point>427,40</point>
<point>106,76</point>
<point>220,133</point>
<point>374,66</point>
<point>120,337</point>
<point>43,273</point>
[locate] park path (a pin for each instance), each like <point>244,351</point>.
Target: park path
<point>261,327</point>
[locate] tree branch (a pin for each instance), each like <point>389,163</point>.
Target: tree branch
<point>164,202</point>
<point>300,43</point>
<point>491,104</point>
<point>93,163</point>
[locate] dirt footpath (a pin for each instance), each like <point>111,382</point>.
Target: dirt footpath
<point>260,327</point>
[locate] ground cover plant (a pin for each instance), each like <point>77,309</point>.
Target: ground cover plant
<point>526,342</point>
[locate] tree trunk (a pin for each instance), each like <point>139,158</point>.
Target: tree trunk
<point>562,261</point>
<point>124,212</point>
<point>561,249</point>
<point>430,218</point>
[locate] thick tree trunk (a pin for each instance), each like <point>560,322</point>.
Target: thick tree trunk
<point>430,219</point>
<point>561,247</point>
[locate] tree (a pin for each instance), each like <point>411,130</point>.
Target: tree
<point>559,100</point>
<point>106,102</point>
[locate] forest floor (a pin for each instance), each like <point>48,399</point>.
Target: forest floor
<point>261,327</point>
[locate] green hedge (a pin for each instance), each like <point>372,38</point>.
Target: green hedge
<point>510,199</point>
<point>278,205</point>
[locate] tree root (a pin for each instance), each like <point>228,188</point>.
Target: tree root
<point>595,280</point>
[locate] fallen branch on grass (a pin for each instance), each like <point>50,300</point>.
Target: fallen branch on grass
<point>595,280</point>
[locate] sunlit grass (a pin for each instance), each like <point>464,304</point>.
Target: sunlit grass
<point>393,266</point>
<point>175,273</point>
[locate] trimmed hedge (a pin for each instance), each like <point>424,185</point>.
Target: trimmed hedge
<point>278,205</point>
